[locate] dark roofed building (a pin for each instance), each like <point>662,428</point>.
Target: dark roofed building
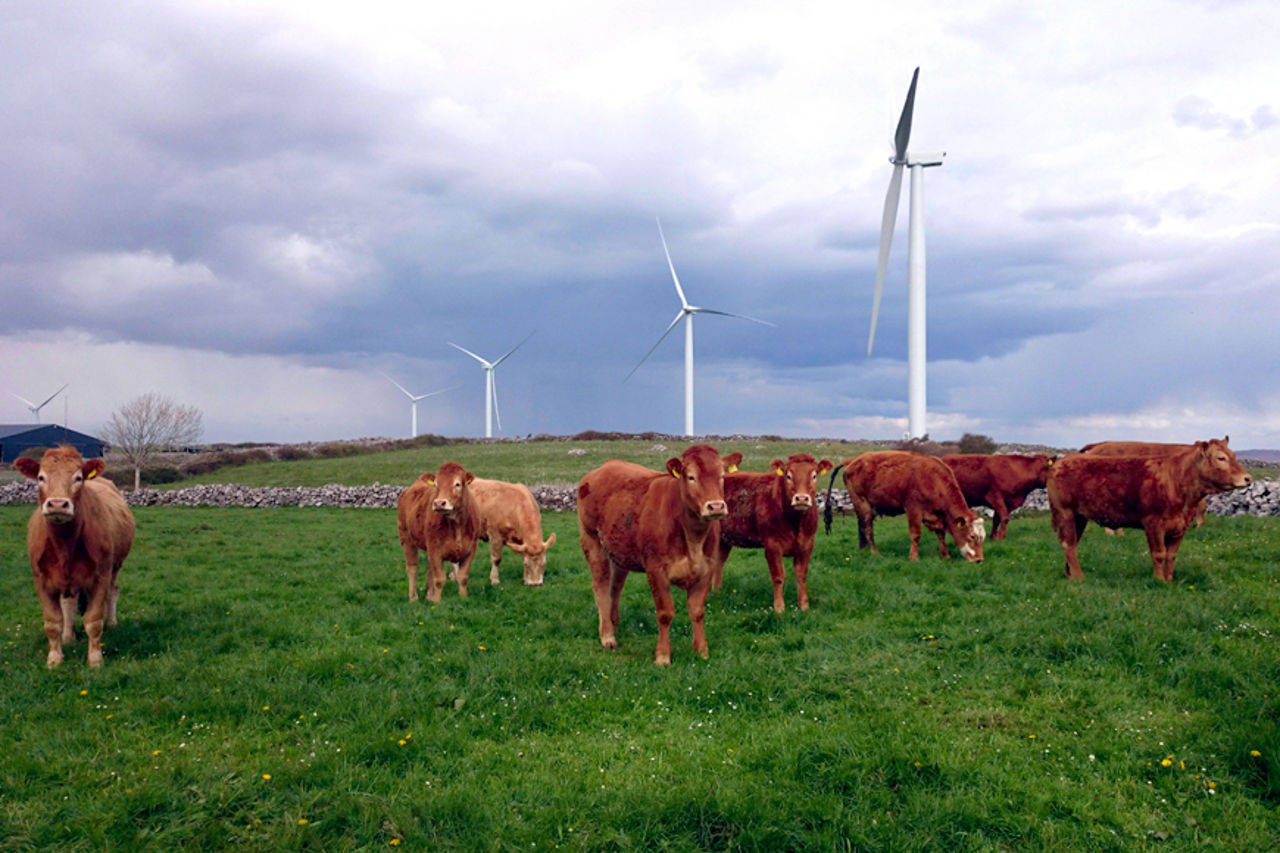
<point>16,439</point>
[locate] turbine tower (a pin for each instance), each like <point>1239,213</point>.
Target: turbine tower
<point>490,384</point>
<point>686,313</point>
<point>915,259</point>
<point>35,409</point>
<point>413,403</point>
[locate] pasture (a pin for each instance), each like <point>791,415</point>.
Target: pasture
<point>270,687</point>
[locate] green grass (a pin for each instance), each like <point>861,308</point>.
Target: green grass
<point>543,462</point>
<point>927,706</point>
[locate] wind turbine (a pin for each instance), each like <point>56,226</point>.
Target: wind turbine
<point>686,312</point>
<point>35,409</point>
<point>915,259</point>
<point>490,384</point>
<point>413,403</point>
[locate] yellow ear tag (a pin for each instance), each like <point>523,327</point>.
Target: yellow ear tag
<point>92,474</point>
<point>733,469</point>
<point>1050,463</point>
<point>778,471</point>
<point>674,474</point>
<point>959,522</point>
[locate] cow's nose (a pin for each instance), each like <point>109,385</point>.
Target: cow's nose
<point>714,508</point>
<point>802,501</point>
<point>60,505</point>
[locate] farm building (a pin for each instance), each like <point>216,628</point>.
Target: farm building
<point>15,439</point>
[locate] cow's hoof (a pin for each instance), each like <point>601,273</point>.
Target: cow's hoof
<point>53,660</point>
<point>659,660</point>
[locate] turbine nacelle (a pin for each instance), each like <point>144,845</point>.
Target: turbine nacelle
<point>491,383</point>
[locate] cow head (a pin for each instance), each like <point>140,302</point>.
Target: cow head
<point>800,475</point>
<point>534,555</point>
<point>968,531</point>
<point>1040,466</point>
<point>1217,464</point>
<point>451,487</point>
<point>61,474</point>
<point>701,471</point>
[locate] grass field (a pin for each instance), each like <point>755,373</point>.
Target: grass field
<point>269,687</point>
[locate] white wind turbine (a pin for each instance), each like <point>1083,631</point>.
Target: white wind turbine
<point>413,403</point>
<point>35,408</point>
<point>490,384</point>
<point>915,259</point>
<point>686,312</point>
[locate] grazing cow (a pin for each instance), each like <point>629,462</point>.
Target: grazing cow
<point>1146,448</point>
<point>436,514</point>
<point>665,524</point>
<point>777,512</point>
<point>1157,493</point>
<point>1001,482</point>
<point>77,539</point>
<point>891,482</point>
<point>509,516</point>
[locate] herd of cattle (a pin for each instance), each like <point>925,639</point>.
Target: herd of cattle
<point>678,525</point>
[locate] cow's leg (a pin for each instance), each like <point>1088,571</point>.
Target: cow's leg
<point>1173,539</point>
<point>913,532</point>
<point>941,532</point>
<point>411,567</point>
<point>697,603</point>
<point>462,570</point>
<point>1156,543</point>
<point>113,597</point>
<point>601,585</point>
<point>717,564</point>
<point>617,580</point>
<point>53,618</point>
<point>495,559</point>
<point>866,526</point>
<point>777,574</point>
<point>69,603</point>
<point>800,568</point>
<point>435,575</point>
<point>661,589</point>
<point>1069,526</point>
<point>1001,520</point>
<point>93,618</point>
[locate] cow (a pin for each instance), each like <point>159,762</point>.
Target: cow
<point>663,523</point>
<point>509,516</point>
<point>1146,448</point>
<point>893,482</point>
<point>1157,493</point>
<point>778,512</point>
<point>436,514</point>
<point>77,539</point>
<point>1001,481</point>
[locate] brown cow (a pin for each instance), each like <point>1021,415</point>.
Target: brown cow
<point>1157,493</point>
<point>665,524</point>
<point>436,514</point>
<point>77,540</point>
<point>777,512</point>
<point>1001,481</point>
<point>891,482</point>
<point>1146,448</point>
<point>509,516</point>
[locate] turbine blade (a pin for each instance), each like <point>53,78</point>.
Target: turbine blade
<point>903,134</point>
<point>655,346</point>
<point>684,303</point>
<point>401,387</point>
<point>30,405</point>
<point>514,348</point>
<point>51,396</point>
<point>886,240</point>
<point>731,314</point>
<point>469,352</point>
<point>436,393</point>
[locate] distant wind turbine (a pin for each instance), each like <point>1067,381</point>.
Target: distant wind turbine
<point>35,409</point>
<point>686,312</point>
<point>413,403</point>
<point>490,384</point>
<point>915,260</point>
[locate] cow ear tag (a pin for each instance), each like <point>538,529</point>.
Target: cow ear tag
<point>733,469</point>
<point>959,522</point>
<point>778,471</point>
<point>674,474</point>
<point>92,474</point>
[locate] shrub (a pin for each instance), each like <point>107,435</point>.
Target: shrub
<point>157,475</point>
<point>291,452</point>
<point>972,443</point>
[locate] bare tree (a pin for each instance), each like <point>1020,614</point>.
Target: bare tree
<point>145,425</point>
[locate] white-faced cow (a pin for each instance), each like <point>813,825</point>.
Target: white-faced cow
<point>77,539</point>
<point>663,523</point>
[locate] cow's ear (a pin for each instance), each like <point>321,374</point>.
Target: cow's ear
<point>824,466</point>
<point>469,478</point>
<point>1203,446</point>
<point>674,466</point>
<point>960,522</point>
<point>731,462</point>
<point>429,479</point>
<point>776,466</point>
<point>92,468</point>
<point>28,466</point>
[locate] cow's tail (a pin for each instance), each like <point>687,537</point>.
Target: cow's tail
<point>827,512</point>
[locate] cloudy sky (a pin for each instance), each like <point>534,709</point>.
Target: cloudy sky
<point>257,208</point>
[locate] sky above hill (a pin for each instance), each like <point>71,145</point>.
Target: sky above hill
<point>258,208</point>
